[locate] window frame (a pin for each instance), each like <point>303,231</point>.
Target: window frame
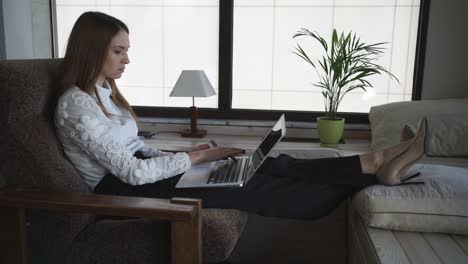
<point>225,111</point>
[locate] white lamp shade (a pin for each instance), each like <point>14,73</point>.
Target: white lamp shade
<point>192,83</point>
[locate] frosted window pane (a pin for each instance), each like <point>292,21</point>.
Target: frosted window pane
<point>404,2</point>
<point>291,73</point>
<point>254,3</point>
<point>192,3</point>
<point>304,2</point>
<point>75,2</point>
<point>253,48</point>
<point>166,37</point>
<point>370,31</point>
<point>66,17</point>
<point>253,99</point>
<point>396,98</point>
<point>291,86</point>
<point>364,3</point>
<point>412,50</point>
<point>146,48</point>
<point>190,42</point>
<point>169,36</point>
<point>300,101</point>
<point>143,96</point>
<point>400,49</point>
<point>136,2</point>
<point>362,102</point>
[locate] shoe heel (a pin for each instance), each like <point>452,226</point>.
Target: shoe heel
<point>391,172</point>
<point>411,177</point>
<point>408,183</point>
<point>405,181</point>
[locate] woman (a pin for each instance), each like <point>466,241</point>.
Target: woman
<point>98,131</point>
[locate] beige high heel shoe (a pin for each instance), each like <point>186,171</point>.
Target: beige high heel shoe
<point>406,134</point>
<point>390,173</point>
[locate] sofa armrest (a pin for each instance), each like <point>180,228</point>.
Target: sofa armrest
<point>184,214</point>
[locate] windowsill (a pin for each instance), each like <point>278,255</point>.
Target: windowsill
<point>249,141</point>
<point>241,123</point>
<point>295,129</point>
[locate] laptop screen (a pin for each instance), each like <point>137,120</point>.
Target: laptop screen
<point>269,142</point>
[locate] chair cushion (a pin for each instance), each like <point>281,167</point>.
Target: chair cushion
<point>30,153</point>
<point>31,148</point>
<point>33,157</point>
<point>149,240</point>
<point>388,120</point>
<point>221,230</point>
<point>438,205</point>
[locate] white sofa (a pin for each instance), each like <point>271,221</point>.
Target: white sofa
<point>416,223</point>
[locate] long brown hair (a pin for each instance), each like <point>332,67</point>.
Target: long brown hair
<point>84,59</point>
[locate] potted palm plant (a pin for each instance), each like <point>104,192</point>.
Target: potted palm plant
<point>344,67</point>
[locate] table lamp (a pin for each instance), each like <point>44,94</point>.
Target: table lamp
<point>193,83</point>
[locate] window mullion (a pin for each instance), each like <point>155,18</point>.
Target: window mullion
<point>226,18</point>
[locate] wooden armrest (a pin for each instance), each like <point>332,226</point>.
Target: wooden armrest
<point>184,215</point>
<point>99,204</point>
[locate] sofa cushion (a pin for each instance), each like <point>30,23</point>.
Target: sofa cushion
<point>438,205</point>
<point>446,134</point>
<point>388,120</point>
<point>375,245</point>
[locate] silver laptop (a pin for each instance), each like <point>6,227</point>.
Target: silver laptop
<point>230,173</point>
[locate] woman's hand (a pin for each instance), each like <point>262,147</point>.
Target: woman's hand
<point>200,147</point>
<point>213,154</point>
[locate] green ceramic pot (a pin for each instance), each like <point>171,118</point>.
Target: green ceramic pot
<point>330,131</point>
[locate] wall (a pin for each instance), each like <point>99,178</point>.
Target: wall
<point>446,65</point>
<point>27,32</point>
<point>2,33</point>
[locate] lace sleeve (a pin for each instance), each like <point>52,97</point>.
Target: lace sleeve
<point>81,120</point>
<point>153,152</point>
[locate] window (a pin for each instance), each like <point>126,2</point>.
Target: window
<point>264,67</point>
<point>245,47</point>
<point>166,37</point>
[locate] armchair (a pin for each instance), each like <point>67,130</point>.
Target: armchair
<point>49,212</point>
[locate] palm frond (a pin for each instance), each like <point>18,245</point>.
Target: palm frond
<point>301,53</point>
<point>346,65</point>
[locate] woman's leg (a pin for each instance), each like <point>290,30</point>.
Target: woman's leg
<point>340,170</point>
<point>313,189</point>
<point>352,170</point>
<point>264,194</point>
<point>371,162</point>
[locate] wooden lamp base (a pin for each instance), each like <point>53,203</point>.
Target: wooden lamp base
<point>193,131</point>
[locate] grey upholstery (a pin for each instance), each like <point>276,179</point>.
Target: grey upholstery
<point>371,241</point>
<point>31,157</point>
<point>439,205</point>
<point>385,246</point>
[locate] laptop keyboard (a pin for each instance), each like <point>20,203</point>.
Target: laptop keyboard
<point>226,171</point>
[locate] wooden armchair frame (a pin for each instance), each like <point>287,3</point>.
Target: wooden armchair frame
<point>184,215</point>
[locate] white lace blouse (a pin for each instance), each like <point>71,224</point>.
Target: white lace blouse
<point>97,145</point>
